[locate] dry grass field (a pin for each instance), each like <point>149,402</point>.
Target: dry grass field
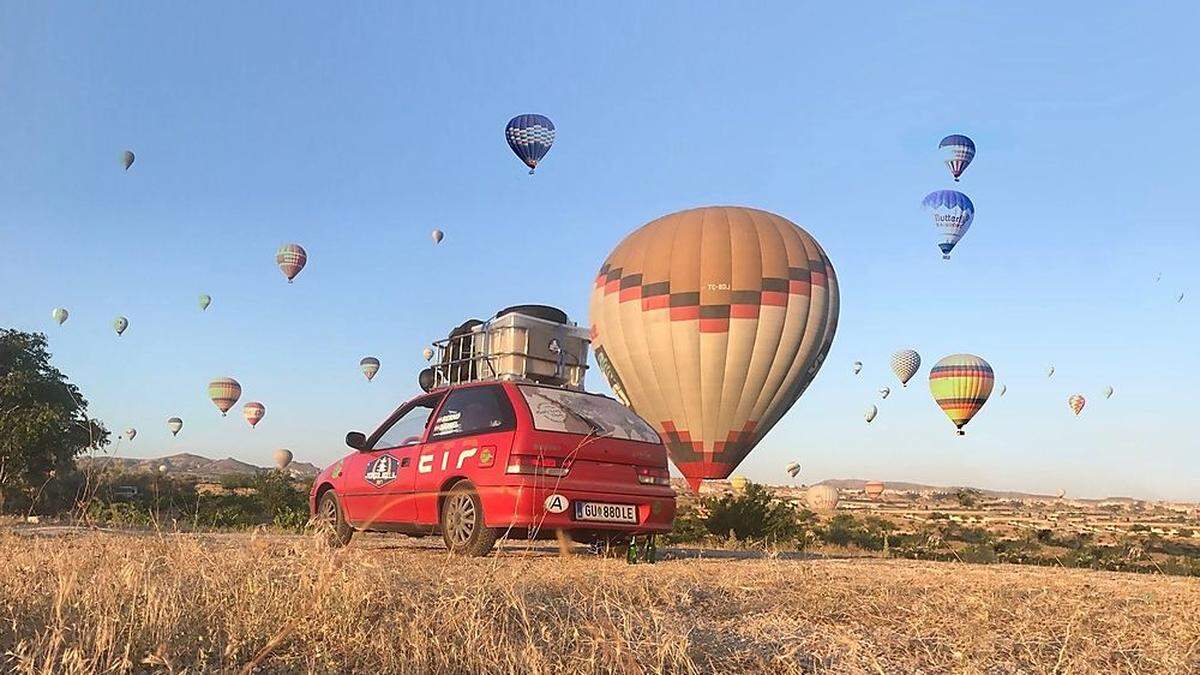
<point>112,603</point>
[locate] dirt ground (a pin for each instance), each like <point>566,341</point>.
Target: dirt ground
<point>73,601</point>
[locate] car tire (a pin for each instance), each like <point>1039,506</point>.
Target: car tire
<point>462,522</point>
<point>332,520</point>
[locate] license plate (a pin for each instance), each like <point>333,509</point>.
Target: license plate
<point>609,513</point>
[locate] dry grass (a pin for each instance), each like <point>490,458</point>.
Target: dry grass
<point>121,603</point>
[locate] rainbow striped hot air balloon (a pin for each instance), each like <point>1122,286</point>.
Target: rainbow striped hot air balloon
<point>291,258</point>
<point>530,138</point>
<point>254,412</point>
<point>224,392</point>
<point>960,150</point>
<point>961,384</point>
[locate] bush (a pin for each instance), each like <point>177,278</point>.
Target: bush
<point>755,514</point>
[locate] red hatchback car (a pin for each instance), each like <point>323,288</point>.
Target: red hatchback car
<point>485,460</point>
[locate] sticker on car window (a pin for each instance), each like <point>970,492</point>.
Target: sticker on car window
<point>449,422</point>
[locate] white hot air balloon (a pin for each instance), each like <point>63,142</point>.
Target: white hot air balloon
<point>59,315</point>
<point>857,367</point>
<point>1108,392</point>
<point>870,414</point>
<point>884,391</point>
<point>427,353</point>
<point>282,457</point>
<point>793,469</point>
<point>905,363</point>
<point>437,236</point>
<point>1050,371</point>
<point>822,498</point>
<point>175,424</point>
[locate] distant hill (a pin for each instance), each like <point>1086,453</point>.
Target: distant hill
<point>711,486</point>
<point>189,464</point>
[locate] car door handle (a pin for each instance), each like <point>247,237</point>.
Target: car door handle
<point>404,462</point>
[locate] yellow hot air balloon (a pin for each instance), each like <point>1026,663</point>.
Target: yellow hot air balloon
<point>710,323</point>
<point>961,384</point>
<point>739,483</point>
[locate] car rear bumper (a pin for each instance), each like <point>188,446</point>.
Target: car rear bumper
<point>524,507</point>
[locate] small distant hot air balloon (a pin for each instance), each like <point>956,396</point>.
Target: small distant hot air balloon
<point>870,414</point>
<point>1179,299</point>
<point>224,392</point>
<point>130,433</point>
<point>174,424</point>
<point>857,367</point>
<point>530,137</point>
<point>884,391</point>
<point>1076,402</point>
<point>437,237</point>
<point>793,469</point>
<point>952,213</point>
<point>1060,494</point>
<point>1003,388</point>
<point>1050,371</point>
<point>162,468</point>
<point>960,150</point>
<point>905,364</point>
<point>254,412</point>
<point>60,315</point>
<point>291,258</point>
<point>127,159</point>
<point>1108,392</point>
<point>961,384</point>
<point>1158,277</point>
<point>873,489</point>
<point>427,353</point>
<point>205,301</point>
<point>370,366</point>
<point>283,457</point>
<point>739,483</point>
<point>120,324</point>
<point>822,498</point>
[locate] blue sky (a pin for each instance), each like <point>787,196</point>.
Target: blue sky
<point>356,130</point>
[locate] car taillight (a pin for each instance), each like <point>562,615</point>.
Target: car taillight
<point>647,475</point>
<point>538,465</point>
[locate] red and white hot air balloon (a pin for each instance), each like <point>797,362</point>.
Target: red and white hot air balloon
<point>254,412</point>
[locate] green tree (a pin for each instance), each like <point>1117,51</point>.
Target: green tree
<point>754,514</point>
<point>44,423</point>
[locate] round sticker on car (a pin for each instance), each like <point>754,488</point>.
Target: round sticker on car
<point>556,503</point>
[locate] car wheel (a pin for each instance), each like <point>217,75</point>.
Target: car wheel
<point>332,521</point>
<point>462,523</point>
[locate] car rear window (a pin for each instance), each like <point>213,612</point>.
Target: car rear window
<point>574,412</point>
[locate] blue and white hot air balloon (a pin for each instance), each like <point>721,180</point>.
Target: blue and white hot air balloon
<point>952,216</point>
<point>530,137</point>
<point>960,150</point>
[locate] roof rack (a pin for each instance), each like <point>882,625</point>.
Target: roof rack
<point>513,346</point>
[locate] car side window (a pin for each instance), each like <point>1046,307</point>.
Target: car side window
<point>474,410</point>
<point>409,428</point>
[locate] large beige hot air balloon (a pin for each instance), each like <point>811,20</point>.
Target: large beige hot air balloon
<point>873,489</point>
<point>283,457</point>
<point>710,323</point>
<point>821,498</point>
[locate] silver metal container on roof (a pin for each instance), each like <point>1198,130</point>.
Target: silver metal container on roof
<point>527,343</point>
